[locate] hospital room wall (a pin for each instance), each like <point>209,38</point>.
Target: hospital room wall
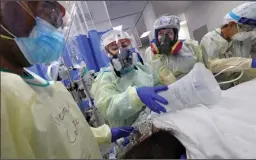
<point>149,16</point>
<point>149,19</point>
<point>184,32</point>
<point>208,13</point>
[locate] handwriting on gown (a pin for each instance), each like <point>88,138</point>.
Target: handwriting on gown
<point>71,133</point>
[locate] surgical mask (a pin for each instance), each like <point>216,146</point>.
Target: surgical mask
<point>241,36</point>
<point>44,44</point>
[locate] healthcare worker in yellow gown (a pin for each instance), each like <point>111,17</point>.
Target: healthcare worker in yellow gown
<point>40,119</point>
<point>169,56</point>
<point>234,44</point>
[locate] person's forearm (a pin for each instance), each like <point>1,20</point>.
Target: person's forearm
<point>102,134</point>
<point>236,64</point>
<point>117,107</point>
<point>166,77</point>
<point>124,105</point>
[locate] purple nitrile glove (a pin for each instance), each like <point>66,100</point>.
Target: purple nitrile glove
<point>120,132</point>
<point>183,156</point>
<point>149,96</point>
<point>126,141</point>
<point>253,63</point>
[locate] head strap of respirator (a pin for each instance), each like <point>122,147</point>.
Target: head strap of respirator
<point>166,45</point>
<point>243,20</point>
<point>125,60</point>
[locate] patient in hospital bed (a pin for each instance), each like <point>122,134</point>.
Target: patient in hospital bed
<point>224,130</point>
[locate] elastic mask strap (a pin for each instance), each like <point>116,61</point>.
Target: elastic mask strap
<point>6,30</point>
<point>6,37</point>
<point>117,73</point>
<point>141,60</point>
<point>23,4</point>
<point>247,21</point>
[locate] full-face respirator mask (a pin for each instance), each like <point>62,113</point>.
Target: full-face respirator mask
<point>125,60</point>
<point>166,45</point>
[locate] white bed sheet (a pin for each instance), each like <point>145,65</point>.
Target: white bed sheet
<point>225,130</point>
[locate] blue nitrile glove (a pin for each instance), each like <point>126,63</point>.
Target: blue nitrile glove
<point>120,132</point>
<point>126,141</point>
<point>149,96</point>
<point>183,156</point>
<point>253,63</point>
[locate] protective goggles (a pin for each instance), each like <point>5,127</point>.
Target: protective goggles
<point>165,31</point>
<point>120,44</point>
<point>244,28</point>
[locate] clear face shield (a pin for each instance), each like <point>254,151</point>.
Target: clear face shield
<point>244,32</point>
<point>122,59</point>
<point>57,68</point>
<point>39,35</point>
<point>118,46</point>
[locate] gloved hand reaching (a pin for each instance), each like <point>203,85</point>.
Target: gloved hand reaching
<point>254,63</point>
<point>126,141</point>
<point>149,96</point>
<point>120,132</point>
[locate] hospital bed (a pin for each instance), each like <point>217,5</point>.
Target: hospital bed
<point>224,130</point>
